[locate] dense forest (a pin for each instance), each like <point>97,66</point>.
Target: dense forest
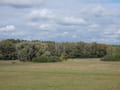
<point>29,50</point>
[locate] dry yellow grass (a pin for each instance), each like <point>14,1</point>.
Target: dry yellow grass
<point>77,74</point>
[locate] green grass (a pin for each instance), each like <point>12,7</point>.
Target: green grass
<point>84,74</point>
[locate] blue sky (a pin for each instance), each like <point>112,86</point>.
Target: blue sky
<point>61,20</point>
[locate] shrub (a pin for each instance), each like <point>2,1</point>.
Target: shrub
<point>54,59</point>
<point>40,59</point>
<point>63,57</point>
<point>1,56</point>
<point>108,58</point>
<point>46,59</point>
<point>111,58</point>
<point>117,57</point>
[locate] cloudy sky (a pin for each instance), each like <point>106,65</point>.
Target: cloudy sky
<point>61,20</point>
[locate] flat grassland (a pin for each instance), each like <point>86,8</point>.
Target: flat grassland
<point>77,74</point>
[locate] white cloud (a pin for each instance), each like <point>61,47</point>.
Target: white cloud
<point>43,26</point>
<point>8,28</point>
<point>94,26</point>
<point>41,13</point>
<point>46,27</point>
<point>18,33</point>
<point>65,33</point>
<point>21,2</point>
<point>34,24</point>
<point>51,16</point>
<point>99,10</point>
<point>46,19</point>
<point>72,21</point>
<point>118,32</point>
<point>74,36</point>
<point>96,10</point>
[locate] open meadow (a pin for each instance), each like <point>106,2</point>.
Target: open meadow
<point>77,74</point>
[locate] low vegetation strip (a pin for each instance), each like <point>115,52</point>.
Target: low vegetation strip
<point>64,73</point>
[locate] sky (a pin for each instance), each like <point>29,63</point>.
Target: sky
<point>61,20</point>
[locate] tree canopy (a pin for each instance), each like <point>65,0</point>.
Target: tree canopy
<point>27,50</point>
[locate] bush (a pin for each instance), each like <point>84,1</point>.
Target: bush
<point>111,58</point>
<point>108,58</point>
<point>1,57</point>
<point>117,57</point>
<point>40,59</point>
<point>54,59</point>
<point>46,59</point>
<point>63,57</point>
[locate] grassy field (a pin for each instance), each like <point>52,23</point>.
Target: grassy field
<point>78,74</point>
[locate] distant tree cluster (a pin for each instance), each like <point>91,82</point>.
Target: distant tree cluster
<point>113,54</point>
<point>35,50</point>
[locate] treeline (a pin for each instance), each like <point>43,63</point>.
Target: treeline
<point>27,50</point>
